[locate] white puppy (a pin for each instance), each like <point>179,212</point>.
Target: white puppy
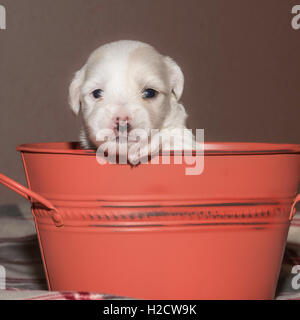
<point>126,86</point>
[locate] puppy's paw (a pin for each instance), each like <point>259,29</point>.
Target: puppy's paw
<point>106,152</point>
<point>134,154</point>
<point>143,153</point>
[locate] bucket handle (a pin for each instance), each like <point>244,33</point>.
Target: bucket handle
<point>293,209</point>
<point>29,194</point>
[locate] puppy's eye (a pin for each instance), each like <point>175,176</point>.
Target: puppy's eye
<point>97,93</point>
<point>149,93</point>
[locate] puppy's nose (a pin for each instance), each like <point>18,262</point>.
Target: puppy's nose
<point>122,124</point>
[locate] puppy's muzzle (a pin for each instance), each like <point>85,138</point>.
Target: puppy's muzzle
<point>122,125</point>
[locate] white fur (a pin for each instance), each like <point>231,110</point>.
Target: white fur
<point>122,70</point>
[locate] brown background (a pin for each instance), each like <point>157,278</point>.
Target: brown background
<point>240,59</point>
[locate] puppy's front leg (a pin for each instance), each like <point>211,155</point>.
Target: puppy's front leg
<point>178,139</point>
<point>139,152</point>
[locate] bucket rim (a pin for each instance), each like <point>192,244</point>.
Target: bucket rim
<point>210,148</point>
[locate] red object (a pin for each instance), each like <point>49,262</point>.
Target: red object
<point>153,232</point>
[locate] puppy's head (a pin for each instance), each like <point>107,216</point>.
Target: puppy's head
<point>125,85</point>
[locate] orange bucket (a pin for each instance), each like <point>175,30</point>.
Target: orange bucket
<point>153,232</point>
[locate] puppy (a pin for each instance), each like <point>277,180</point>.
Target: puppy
<point>127,90</point>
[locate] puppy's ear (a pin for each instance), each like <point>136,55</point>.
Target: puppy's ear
<point>74,90</point>
<point>176,77</point>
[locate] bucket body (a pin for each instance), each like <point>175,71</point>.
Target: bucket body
<point>191,262</point>
<point>153,232</point>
